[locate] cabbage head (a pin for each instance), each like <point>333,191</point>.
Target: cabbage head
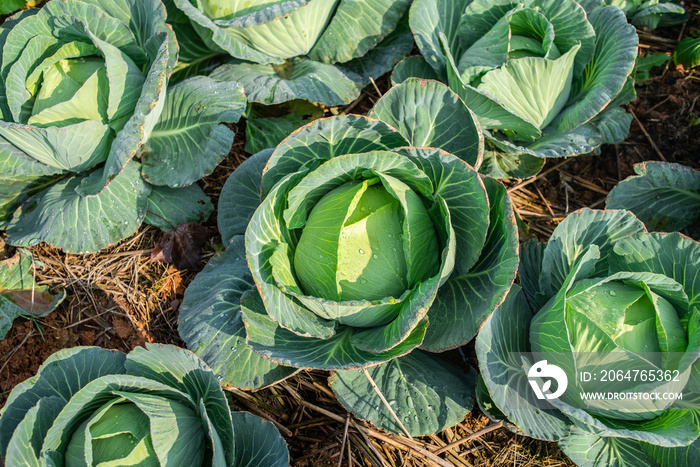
<point>159,406</point>
<point>83,95</point>
<point>616,309</point>
<point>360,242</point>
<point>322,51</point>
<point>546,78</point>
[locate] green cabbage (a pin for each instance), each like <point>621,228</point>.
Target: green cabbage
<point>352,244</point>
<point>546,78</point>
<point>616,309</point>
<point>158,406</point>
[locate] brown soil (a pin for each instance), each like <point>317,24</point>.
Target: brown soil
<point>119,299</point>
<point>32,341</point>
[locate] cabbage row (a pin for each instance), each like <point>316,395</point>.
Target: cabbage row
<point>372,246</point>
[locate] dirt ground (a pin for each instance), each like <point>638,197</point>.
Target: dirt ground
<point>119,299</point>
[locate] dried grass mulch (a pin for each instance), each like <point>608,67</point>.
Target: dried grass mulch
<point>119,299</point>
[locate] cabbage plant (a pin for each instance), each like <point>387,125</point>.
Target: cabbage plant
<point>546,78</point>
<point>323,51</point>
<point>651,13</point>
<point>616,309</point>
<point>360,242</point>
<point>663,195</point>
<point>89,132</point>
<point>158,406</point>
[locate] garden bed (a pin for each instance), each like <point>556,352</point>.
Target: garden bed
<point>120,299</point>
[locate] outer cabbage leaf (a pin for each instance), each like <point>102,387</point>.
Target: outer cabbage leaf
<point>212,326</point>
<point>258,442</point>
<point>356,28</point>
<point>665,196</point>
<point>506,162</point>
<point>585,449</point>
<point>301,79</point>
<point>606,74</point>
<point>504,335</point>
<point>189,141</point>
<point>429,19</point>
<point>62,217</point>
<point>427,393</point>
<point>244,186</point>
<point>19,294</point>
<point>282,29</point>
<point>20,177</point>
<point>382,58</point>
<point>326,138</point>
<point>406,106</point>
<point>84,87</point>
<point>170,207</point>
<point>475,293</point>
<point>414,66</point>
